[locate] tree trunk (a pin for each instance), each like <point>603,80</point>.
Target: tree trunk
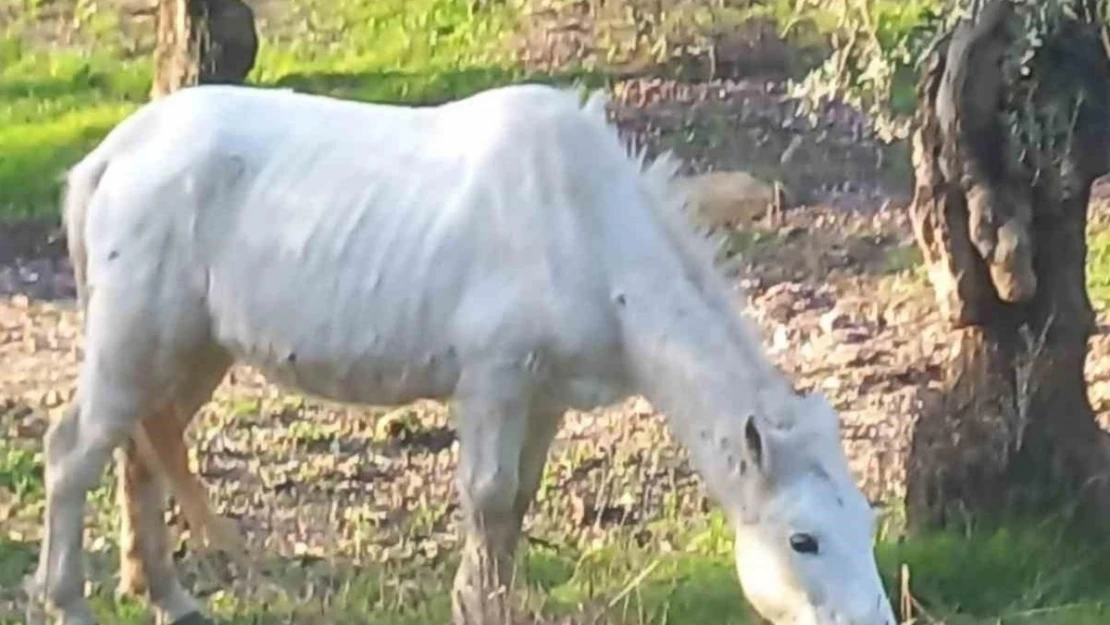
<point>1009,136</point>
<point>202,42</point>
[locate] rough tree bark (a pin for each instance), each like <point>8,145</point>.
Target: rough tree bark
<point>1012,128</point>
<point>202,42</point>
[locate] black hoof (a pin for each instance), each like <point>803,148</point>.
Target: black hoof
<point>193,618</point>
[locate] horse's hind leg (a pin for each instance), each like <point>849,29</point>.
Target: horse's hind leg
<point>146,562</point>
<point>208,530</point>
<point>165,434</point>
<point>77,448</point>
<point>136,348</point>
<point>503,440</point>
<point>133,493</point>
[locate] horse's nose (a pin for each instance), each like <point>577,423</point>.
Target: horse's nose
<point>884,614</point>
<point>876,612</point>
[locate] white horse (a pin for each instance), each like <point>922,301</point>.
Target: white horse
<point>503,252</point>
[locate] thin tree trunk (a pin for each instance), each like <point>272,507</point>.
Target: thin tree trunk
<point>202,42</point>
<point>1004,160</point>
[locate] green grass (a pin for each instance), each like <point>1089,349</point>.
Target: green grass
<point>673,571</point>
<point>53,108</point>
<point>1098,266</point>
<point>681,574</point>
<point>1034,575</point>
<point>56,104</point>
<point>20,471</point>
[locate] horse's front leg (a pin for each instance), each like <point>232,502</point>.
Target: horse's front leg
<point>503,444</point>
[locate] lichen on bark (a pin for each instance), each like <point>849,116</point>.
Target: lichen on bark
<point>1013,126</point>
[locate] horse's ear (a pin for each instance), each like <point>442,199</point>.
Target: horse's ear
<point>757,479</point>
<point>754,444</point>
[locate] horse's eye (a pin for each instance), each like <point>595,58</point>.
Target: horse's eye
<point>804,543</point>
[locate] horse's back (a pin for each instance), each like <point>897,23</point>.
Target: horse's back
<point>334,242</point>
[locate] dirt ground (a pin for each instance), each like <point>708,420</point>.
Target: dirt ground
<point>833,287</point>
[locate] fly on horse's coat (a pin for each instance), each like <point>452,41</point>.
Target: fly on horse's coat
<point>503,252</point>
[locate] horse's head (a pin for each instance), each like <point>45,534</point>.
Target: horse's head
<point>804,549</point>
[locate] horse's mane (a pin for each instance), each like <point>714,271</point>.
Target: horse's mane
<point>669,202</point>
<point>669,197</point>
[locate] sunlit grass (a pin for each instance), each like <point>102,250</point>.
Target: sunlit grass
<point>1098,265</point>
<point>55,105</point>
<point>1028,575</point>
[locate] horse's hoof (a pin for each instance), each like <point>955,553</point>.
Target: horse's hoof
<point>35,613</point>
<point>193,618</point>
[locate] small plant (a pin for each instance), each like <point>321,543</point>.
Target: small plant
<point>20,472</point>
<point>877,45</point>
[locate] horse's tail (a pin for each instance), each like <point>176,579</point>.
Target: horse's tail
<point>82,182</point>
<point>80,187</point>
<point>161,449</point>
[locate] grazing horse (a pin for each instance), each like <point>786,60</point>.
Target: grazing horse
<point>503,252</point>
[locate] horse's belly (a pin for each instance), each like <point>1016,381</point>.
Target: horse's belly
<point>368,378</point>
<point>356,372</point>
<point>360,349</point>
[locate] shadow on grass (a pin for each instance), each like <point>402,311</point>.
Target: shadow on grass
<point>83,82</point>
<point>17,559</point>
<point>425,88</point>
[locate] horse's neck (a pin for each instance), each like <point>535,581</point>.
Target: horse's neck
<point>704,369</point>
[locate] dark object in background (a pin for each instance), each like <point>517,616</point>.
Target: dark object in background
<point>202,42</point>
